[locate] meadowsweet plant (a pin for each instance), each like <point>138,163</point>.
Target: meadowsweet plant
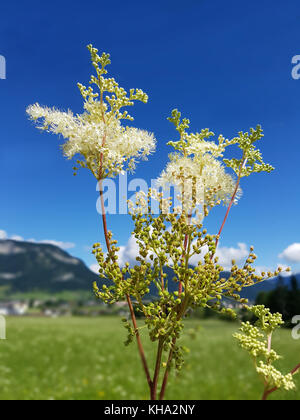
<point>202,178</point>
<point>174,237</point>
<point>257,340</point>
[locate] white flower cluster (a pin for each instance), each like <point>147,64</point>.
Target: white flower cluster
<point>112,146</point>
<point>196,170</point>
<point>200,178</point>
<point>140,206</point>
<point>104,146</point>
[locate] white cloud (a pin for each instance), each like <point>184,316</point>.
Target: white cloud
<point>60,244</point>
<point>94,268</point>
<point>266,269</point>
<point>129,252</point>
<point>3,234</point>
<point>226,255</point>
<point>17,238</point>
<point>291,253</point>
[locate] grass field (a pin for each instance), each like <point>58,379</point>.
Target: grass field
<point>84,358</point>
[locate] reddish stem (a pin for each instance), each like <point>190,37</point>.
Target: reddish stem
<point>132,314</point>
<point>166,375</point>
<point>267,393</point>
<point>183,255</point>
<point>133,318</point>
<point>139,342</point>
<point>232,200</point>
<point>180,288</point>
<point>157,370</point>
<point>104,221</point>
<point>295,370</point>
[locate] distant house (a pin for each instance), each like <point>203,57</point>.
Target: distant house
<point>51,314</point>
<point>3,309</point>
<point>121,304</point>
<point>15,308</point>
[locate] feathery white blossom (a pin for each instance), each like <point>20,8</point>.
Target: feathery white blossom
<point>200,180</point>
<point>196,170</point>
<point>123,145</point>
<point>97,136</point>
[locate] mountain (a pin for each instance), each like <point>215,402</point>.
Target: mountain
<point>29,267</point>
<point>249,293</point>
<point>41,268</point>
<point>252,292</point>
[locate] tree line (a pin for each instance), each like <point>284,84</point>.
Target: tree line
<point>284,299</point>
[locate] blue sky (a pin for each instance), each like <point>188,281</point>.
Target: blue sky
<point>225,65</point>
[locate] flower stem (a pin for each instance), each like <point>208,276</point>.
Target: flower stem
<point>166,375</point>
<point>139,342</point>
<point>295,370</point>
<point>183,255</point>
<point>157,370</point>
<point>181,313</point>
<point>185,245</point>
<point>244,160</point>
<point>104,221</point>
<point>129,302</point>
<point>267,392</point>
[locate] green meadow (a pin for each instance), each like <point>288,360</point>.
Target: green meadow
<point>85,359</point>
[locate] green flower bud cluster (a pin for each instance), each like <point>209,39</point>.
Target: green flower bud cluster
<point>257,340</point>
<point>109,269</point>
<point>117,97</point>
<point>253,341</point>
<point>169,240</point>
<point>130,330</point>
<point>274,378</point>
<point>252,160</point>
<point>181,126</point>
<point>267,321</point>
<point>125,281</point>
<point>178,356</point>
<point>187,140</point>
<point>162,320</point>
